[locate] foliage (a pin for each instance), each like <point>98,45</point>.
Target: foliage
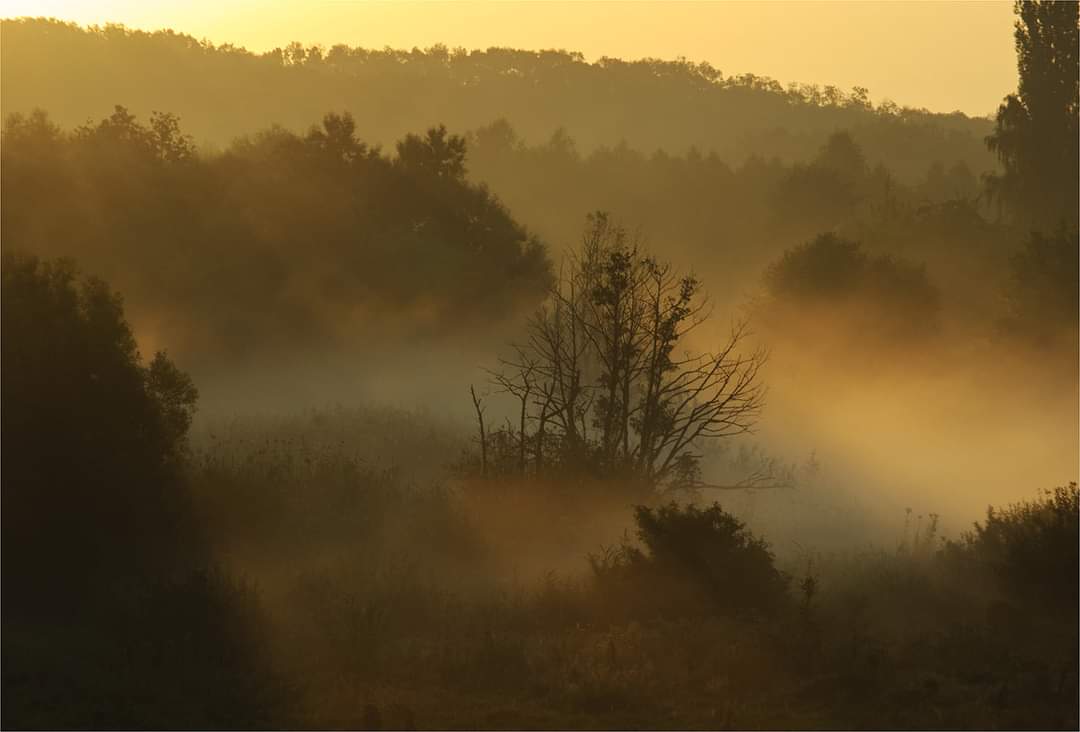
<point>826,192</point>
<point>95,439</point>
<point>314,240</point>
<point>891,295</point>
<point>651,103</point>
<point>732,219</point>
<point>1036,134</point>
<point>111,615</point>
<point>1032,548</point>
<point>434,154</point>
<point>657,632</point>
<point>1044,290</point>
<point>694,558</point>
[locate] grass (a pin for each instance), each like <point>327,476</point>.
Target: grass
<point>379,598</point>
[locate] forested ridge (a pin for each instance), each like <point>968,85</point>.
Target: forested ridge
<point>222,92</point>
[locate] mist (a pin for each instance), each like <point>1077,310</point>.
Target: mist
<point>408,389</point>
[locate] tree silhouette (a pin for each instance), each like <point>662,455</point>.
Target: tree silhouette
<point>651,103</point>
<point>281,240</point>
<point>888,295</point>
<point>1036,136</point>
<point>1043,292</point>
<point>93,439</point>
<point>437,153</point>
<point>606,377</point>
<point>822,195</point>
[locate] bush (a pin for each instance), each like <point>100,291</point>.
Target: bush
<point>1032,548</point>
<point>888,295</point>
<point>694,560</point>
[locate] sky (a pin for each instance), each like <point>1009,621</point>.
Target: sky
<point>944,55</point>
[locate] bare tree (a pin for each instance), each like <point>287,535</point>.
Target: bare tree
<point>516,379</point>
<point>478,406</point>
<point>605,376</point>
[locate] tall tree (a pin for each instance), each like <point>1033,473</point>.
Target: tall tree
<point>1036,133</point>
<point>93,438</point>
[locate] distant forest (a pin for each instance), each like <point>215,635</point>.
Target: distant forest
<point>222,92</point>
<point>319,238</point>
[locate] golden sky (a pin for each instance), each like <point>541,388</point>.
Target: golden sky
<point>943,55</point>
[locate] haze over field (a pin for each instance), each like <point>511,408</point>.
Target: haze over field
<point>372,365</point>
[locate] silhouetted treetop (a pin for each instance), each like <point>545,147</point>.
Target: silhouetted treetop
<point>436,153</point>
<point>161,140</point>
<point>842,156</point>
<point>605,378</point>
<point>313,240</point>
<point>888,295</point>
<point>1036,136</point>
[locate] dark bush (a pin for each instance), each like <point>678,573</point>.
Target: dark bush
<point>828,267</point>
<point>694,560</point>
<point>1032,548</point>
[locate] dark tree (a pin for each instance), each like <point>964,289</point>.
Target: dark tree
<point>1036,134</point>
<point>1032,548</point>
<point>1043,293</point>
<point>114,614</point>
<point>93,439</point>
<point>885,295</point>
<point>281,241</point>
<point>436,153</point>
<point>607,379</point>
<point>823,194</point>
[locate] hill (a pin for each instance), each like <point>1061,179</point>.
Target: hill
<point>223,91</point>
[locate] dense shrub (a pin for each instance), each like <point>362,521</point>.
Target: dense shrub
<point>693,560</point>
<point>1032,548</point>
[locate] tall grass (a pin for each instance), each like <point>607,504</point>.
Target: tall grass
<point>397,602</point>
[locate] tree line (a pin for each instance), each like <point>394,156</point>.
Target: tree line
<point>650,103</point>
<point>281,241</point>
